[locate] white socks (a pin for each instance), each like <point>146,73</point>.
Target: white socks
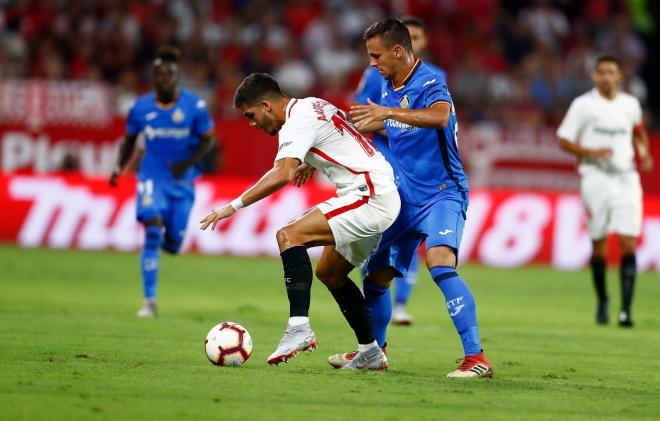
<point>298,320</point>
<point>367,347</point>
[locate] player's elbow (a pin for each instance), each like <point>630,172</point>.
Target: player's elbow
<point>565,145</point>
<point>444,122</point>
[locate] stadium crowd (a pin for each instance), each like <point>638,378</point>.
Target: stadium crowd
<point>506,61</point>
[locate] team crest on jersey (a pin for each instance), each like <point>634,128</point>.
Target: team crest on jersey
<point>404,102</point>
<point>147,200</point>
<point>178,116</point>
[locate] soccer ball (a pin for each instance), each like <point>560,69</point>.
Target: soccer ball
<point>228,344</point>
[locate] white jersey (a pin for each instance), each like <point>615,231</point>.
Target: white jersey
<point>317,133</point>
<point>596,122</point>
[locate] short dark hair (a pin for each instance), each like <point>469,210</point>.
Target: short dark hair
<point>256,87</point>
<point>392,31</point>
<point>413,21</point>
<point>609,58</point>
<point>167,54</point>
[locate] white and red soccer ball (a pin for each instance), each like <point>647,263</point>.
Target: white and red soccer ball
<point>228,344</point>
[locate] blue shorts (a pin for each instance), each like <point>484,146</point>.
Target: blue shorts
<point>170,200</point>
<point>440,223</point>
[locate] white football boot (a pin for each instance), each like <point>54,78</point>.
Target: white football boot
<point>296,339</point>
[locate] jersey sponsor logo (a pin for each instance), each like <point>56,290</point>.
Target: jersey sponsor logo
<point>428,82</point>
<point>152,133</point>
<point>283,145</point>
<point>150,116</point>
<point>399,125</point>
<point>178,116</point>
<point>404,102</point>
<point>444,232</point>
<point>610,131</point>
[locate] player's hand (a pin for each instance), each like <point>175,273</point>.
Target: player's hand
<point>303,173</point>
<point>646,163</point>
<point>601,153</point>
<point>178,168</point>
<point>114,176</point>
<point>216,216</point>
<point>363,115</point>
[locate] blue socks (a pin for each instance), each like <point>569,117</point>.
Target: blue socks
<point>149,259</point>
<point>461,307</point>
<point>379,303</point>
<point>403,286</point>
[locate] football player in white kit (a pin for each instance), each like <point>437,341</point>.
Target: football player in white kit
<point>603,127</point>
<point>314,134</point>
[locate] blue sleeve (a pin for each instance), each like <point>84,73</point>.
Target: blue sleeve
<point>437,92</point>
<point>203,122</point>
<point>133,126</point>
<point>369,87</point>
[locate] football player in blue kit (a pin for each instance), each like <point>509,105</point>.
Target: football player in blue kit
<point>177,132</point>
<point>418,114</point>
<point>369,89</point>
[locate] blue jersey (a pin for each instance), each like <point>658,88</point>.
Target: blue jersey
<point>428,162</point>
<point>170,134</point>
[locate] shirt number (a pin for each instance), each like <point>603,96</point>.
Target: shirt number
<point>341,124</point>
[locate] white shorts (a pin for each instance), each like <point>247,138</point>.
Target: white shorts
<point>613,203</point>
<point>357,222</point>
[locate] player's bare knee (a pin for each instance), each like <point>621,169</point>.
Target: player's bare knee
<point>285,238</point>
<point>330,277</point>
<point>440,256</point>
<point>382,278</point>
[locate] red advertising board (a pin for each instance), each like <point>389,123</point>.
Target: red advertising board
<point>504,228</point>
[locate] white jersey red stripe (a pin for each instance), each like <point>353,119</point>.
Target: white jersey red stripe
<point>316,132</point>
<point>350,206</point>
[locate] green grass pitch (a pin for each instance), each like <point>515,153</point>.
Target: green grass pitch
<point>71,346</point>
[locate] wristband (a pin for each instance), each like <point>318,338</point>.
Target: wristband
<point>237,203</point>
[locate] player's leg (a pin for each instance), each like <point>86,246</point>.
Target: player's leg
<point>333,270</point>
<point>628,273</point>
<point>310,229</point>
<point>403,287</point>
<point>181,199</point>
<point>150,205</point>
<point>598,270</point>
<point>597,196</point>
<point>444,227</point>
<point>627,223</point>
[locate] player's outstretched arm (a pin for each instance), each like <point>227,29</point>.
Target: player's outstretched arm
<point>581,152</point>
<point>434,117</point>
<point>279,176</point>
<point>125,152</point>
<point>206,143</point>
<point>641,142</point>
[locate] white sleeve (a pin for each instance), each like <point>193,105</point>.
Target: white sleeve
<point>571,125</point>
<point>295,139</point>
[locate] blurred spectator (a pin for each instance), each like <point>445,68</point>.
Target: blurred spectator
<point>509,61</point>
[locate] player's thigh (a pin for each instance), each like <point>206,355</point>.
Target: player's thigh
<point>444,229</point>
<point>332,268</point>
<point>396,258</point>
<point>310,229</point>
<point>151,202</point>
<point>626,212</point>
<point>180,201</point>
<point>597,196</point>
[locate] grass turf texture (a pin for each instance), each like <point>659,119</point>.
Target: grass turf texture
<point>72,348</point>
